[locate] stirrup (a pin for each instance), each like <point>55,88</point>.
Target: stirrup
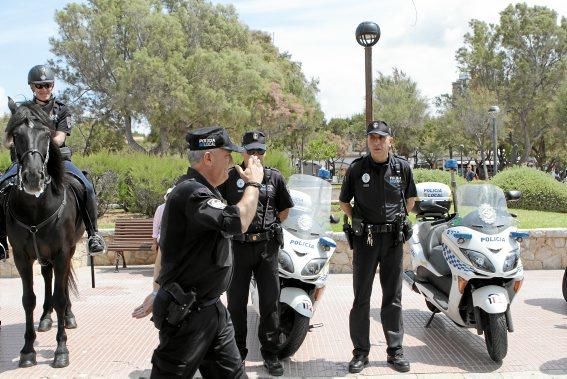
<point>98,238</point>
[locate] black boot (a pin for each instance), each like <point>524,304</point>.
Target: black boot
<point>398,362</point>
<point>95,244</point>
<point>274,366</point>
<point>4,251</point>
<point>357,363</point>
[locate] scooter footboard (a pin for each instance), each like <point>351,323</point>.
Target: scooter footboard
<point>298,300</point>
<point>491,299</point>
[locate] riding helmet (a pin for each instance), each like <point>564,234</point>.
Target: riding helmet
<point>40,74</point>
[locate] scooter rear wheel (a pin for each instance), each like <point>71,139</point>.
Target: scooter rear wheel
<point>565,285</point>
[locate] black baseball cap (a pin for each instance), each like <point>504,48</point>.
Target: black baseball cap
<point>211,137</point>
<point>254,140</point>
<point>378,127</point>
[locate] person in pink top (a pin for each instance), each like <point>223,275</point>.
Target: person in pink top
<point>145,308</point>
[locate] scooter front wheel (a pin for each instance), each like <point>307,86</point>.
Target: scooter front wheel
<point>496,335</point>
<point>294,328</point>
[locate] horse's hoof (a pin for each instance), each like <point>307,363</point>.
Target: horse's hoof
<point>27,360</point>
<point>61,360</point>
<point>44,325</point>
<point>70,322</point>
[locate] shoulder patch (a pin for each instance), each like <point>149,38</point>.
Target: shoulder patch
<point>216,203</point>
<point>400,157</point>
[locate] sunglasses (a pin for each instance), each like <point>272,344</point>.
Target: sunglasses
<point>255,152</point>
<point>42,85</point>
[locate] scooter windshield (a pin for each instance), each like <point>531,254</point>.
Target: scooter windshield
<point>309,218</point>
<point>483,207</point>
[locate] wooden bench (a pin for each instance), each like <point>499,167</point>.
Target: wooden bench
<point>133,234</point>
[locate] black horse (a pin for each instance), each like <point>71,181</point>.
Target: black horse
<point>43,223</point>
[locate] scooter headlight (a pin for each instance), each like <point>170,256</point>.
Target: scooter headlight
<point>285,261</point>
<point>479,260</point>
<point>314,266</point>
<point>511,261</point>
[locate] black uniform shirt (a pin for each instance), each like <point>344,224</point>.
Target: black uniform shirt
<point>59,115</point>
<point>194,238</point>
<point>376,188</point>
<point>275,188</point>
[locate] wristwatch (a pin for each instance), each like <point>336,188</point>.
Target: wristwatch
<point>253,184</point>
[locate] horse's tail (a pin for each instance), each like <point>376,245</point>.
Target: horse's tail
<point>71,283</point>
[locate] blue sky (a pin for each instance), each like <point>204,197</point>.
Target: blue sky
<point>420,37</point>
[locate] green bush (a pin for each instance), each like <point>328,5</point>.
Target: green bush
<point>540,191</point>
<point>421,175</point>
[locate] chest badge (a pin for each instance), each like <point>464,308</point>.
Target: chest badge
<point>395,180</point>
<point>365,178</point>
<point>240,183</point>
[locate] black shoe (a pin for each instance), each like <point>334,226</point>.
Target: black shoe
<point>357,363</point>
<point>398,362</point>
<point>96,245</point>
<point>274,366</point>
<point>3,253</point>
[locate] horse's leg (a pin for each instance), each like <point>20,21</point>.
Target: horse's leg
<point>70,321</point>
<point>27,354</point>
<point>45,321</point>
<point>61,267</point>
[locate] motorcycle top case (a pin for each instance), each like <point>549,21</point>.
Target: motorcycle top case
<point>432,191</point>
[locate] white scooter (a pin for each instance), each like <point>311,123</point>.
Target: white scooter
<point>467,264</point>
<point>303,260</point>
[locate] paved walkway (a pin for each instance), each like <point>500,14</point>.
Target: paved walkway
<point>110,344</point>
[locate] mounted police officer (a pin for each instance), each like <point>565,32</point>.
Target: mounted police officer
<point>196,330</point>
<point>384,191</point>
<point>41,81</point>
<point>256,252</point>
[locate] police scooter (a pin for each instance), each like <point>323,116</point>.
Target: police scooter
<point>303,260</point>
<point>467,264</point>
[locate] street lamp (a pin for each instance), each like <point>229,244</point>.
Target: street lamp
<point>462,147</point>
<point>493,111</point>
<point>367,35</point>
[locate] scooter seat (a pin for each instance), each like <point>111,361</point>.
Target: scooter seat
<point>433,250</point>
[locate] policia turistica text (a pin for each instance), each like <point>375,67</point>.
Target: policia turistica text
<point>256,252</point>
<point>196,331</point>
<point>379,183</point>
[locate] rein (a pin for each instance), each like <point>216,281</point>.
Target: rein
<point>44,159</point>
<point>33,229</point>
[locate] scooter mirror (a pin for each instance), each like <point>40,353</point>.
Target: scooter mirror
<point>333,219</point>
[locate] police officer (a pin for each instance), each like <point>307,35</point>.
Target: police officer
<point>196,330</point>
<point>41,81</point>
<point>256,251</point>
<point>380,182</point>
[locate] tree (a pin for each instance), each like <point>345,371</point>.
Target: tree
<point>398,102</point>
<point>521,60</point>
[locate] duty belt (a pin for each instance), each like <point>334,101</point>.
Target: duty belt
<point>379,228</point>
<point>254,237</point>
<point>204,304</point>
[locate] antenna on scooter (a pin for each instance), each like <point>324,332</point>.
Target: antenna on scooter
<point>451,164</point>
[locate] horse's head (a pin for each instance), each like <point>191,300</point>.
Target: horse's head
<point>31,136</point>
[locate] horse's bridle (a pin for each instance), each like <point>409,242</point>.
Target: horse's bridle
<point>44,160</point>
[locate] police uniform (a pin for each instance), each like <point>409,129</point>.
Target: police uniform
<point>196,254</point>
<point>256,252</point>
<point>375,188</point>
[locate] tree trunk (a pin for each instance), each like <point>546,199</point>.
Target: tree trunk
<point>483,160</point>
<point>129,137</point>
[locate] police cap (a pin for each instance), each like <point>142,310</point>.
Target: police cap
<point>211,137</point>
<point>254,140</point>
<point>378,127</point>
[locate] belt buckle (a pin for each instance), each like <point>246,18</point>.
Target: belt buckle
<point>254,237</point>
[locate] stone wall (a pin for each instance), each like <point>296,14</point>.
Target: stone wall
<point>544,249</point>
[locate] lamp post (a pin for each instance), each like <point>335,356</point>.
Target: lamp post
<point>367,35</point>
<point>462,147</point>
<point>493,111</point>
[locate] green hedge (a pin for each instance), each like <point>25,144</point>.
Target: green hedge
<point>137,181</point>
<point>540,191</point>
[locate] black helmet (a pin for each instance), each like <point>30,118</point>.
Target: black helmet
<point>40,74</point>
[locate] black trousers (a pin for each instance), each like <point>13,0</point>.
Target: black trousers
<point>365,261</point>
<point>260,259</point>
<point>205,341</point>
